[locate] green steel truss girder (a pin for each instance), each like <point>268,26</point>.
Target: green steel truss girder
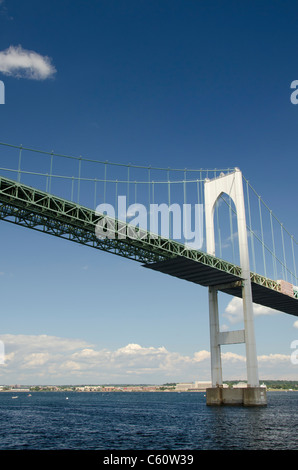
<point>265,281</point>
<point>82,235</point>
<point>38,210</point>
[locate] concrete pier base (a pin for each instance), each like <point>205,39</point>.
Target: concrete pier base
<point>250,396</point>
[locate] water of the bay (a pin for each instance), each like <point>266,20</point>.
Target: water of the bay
<point>144,420</point>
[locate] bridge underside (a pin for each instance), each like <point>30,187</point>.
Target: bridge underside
<point>228,283</point>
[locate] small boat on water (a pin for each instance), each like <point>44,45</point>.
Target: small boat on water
<point>14,397</point>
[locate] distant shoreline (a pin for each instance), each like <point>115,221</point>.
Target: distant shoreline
<point>126,391</point>
<point>179,387</point>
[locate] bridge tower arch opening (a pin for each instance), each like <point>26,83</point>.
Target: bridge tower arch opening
<point>232,185</point>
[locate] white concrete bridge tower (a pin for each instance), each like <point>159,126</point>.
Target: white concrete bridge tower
<point>232,185</point>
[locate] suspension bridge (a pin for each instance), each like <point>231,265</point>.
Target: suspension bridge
<point>243,249</point>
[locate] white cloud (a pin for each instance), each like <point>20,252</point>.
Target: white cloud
<point>234,310</point>
<point>29,343</point>
<point>50,359</point>
<point>295,324</point>
<point>35,360</point>
<point>21,63</point>
<point>274,358</point>
<point>230,357</point>
<point>201,356</point>
<point>43,359</point>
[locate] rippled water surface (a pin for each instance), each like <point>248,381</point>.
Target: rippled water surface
<point>47,420</point>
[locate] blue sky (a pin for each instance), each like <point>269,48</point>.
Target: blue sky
<point>173,83</point>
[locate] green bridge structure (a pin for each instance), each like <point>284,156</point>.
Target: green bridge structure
<point>62,195</point>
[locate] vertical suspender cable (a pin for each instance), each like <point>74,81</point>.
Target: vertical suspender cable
<point>79,179</point>
<point>149,196</point>
<point>273,246</point>
<point>128,168</point>
<point>51,171</point>
<point>95,196</point>
<point>251,230</point>
<point>116,199</point>
<point>283,250</point>
<point>152,192</point>
<point>149,185</point>
<point>135,192</point>
<point>198,207</point>
<point>19,167</point>
<point>231,228</point>
<point>169,189</point>
<point>201,187</point>
<point>218,225</point>
<point>72,188</point>
<point>263,246</point>
<point>105,184</point>
<point>218,230</point>
<point>184,212</point>
<point>202,197</point>
<point>169,204</point>
<point>294,261</point>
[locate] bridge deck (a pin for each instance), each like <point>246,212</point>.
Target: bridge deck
<point>198,273</point>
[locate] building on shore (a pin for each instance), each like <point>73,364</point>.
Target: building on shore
<point>240,385</point>
<point>192,386</point>
<point>244,385</point>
